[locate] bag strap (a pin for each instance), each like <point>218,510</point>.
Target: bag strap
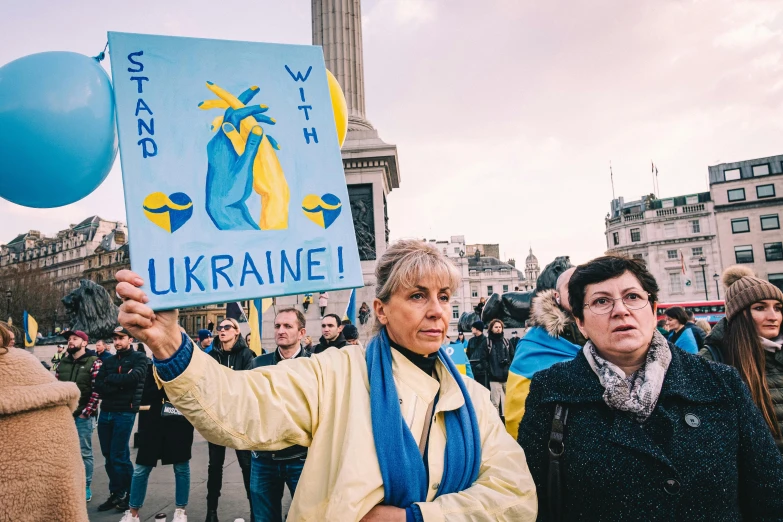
<point>555,450</point>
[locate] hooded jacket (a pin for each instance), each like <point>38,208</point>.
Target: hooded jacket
<point>715,345</point>
<point>42,471</point>
<point>324,345</point>
<point>553,338</point>
<point>240,357</point>
<point>121,381</point>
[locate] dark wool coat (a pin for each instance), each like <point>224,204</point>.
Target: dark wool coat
<point>715,346</point>
<point>705,453</point>
<point>168,439</point>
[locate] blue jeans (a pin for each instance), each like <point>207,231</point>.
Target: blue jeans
<point>141,475</point>
<point>85,427</point>
<point>267,478</point>
<point>114,432</point>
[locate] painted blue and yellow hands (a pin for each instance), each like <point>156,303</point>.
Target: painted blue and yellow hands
<point>241,159</point>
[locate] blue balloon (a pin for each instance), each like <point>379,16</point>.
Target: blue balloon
<point>58,138</point>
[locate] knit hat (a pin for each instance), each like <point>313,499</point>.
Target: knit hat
<point>743,289</point>
<point>350,332</point>
<point>478,325</point>
<point>204,334</point>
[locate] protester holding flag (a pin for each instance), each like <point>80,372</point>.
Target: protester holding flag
<point>552,338</point>
<point>393,431</point>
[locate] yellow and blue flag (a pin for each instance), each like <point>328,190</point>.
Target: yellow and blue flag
<point>30,330</point>
<point>459,357</point>
<point>350,311</point>
<point>536,351</point>
<point>256,321</point>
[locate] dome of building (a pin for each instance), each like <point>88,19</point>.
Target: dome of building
<point>531,259</point>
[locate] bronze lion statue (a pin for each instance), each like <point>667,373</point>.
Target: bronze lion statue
<point>90,309</point>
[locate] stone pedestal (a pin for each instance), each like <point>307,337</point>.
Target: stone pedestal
<point>371,165</point>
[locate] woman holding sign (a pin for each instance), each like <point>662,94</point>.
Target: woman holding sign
<point>395,433</point>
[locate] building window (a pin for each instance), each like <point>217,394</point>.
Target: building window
<point>739,226</point>
<point>731,174</point>
<point>671,254</point>
<point>667,203</point>
<point>765,191</point>
<point>736,194</point>
<point>773,251</point>
<point>675,283</point>
<point>473,292</point>
<point>505,288</point>
<point>743,254</point>
<point>697,251</point>
<point>456,250</point>
<point>761,170</point>
<point>636,235</point>
<point>455,312</point>
<point>776,279</point>
<point>489,290</point>
<point>691,200</point>
<point>638,256</point>
<point>670,229</point>
<point>695,226</point>
<point>770,222</point>
<point>616,238</point>
<point>198,322</point>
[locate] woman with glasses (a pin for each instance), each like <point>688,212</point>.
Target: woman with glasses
<point>635,429</point>
<point>394,432</point>
<point>229,349</point>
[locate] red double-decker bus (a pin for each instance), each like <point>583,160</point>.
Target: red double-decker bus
<point>710,311</point>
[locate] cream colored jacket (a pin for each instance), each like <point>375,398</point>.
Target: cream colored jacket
<point>323,402</point>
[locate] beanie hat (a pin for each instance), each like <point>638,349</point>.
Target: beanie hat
<point>350,332</point>
<point>743,289</point>
<point>478,325</point>
<point>204,334</point>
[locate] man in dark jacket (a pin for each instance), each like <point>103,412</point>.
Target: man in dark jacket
<point>272,470</point>
<point>120,383</point>
<point>699,334</point>
<point>228,349</point>
<point>477,350</point>
<point>102,350</point>
<point>331,333</point>
<point>82,368</point>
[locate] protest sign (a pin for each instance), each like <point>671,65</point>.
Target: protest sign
<point>234,185</point>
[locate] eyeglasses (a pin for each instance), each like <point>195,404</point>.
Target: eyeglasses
<point>604,305</point>
<point>224,327</point>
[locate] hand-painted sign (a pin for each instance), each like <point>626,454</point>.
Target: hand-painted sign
<point>234,186</point>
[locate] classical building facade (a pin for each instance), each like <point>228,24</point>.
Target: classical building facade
<point>748,198</point>
<point>676,237</point>
<point>59,259</point>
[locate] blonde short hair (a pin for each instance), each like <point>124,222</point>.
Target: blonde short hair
<point>406,263</point>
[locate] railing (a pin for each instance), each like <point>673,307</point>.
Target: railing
<point>666,212</point>
<point>689,209</point>
<point>613,221</point>
<point>634,217</point>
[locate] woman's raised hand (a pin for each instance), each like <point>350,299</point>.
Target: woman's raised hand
<point>158,330</point>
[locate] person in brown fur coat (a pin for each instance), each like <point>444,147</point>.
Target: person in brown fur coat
<point>41,470</point>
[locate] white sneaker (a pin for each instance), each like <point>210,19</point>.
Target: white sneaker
<point>127,517</point>
<point>180,516</point>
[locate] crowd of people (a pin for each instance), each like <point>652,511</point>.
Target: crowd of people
<point>597,411</point>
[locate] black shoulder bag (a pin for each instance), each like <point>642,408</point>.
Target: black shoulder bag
<point>556,447</point>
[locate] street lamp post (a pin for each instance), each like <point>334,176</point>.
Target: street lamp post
<point>717,288</point>
<point>703,263</point>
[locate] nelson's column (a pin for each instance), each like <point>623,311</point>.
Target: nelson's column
<point>371,166</point>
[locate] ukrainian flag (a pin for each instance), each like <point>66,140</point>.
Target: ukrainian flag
<point>458,356</point>
<point>536,351</point>
<point>30,330</point>
<point>256,320</point>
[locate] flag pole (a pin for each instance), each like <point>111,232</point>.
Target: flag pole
<point>611,177</point>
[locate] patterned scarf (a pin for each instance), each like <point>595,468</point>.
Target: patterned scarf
<point>637,393</point>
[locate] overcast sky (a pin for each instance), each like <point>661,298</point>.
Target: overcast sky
<point>506,113</point>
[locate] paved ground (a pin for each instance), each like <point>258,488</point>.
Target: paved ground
<point>160,491</point>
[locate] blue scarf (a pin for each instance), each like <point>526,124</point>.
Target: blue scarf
<point>402,468</point>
